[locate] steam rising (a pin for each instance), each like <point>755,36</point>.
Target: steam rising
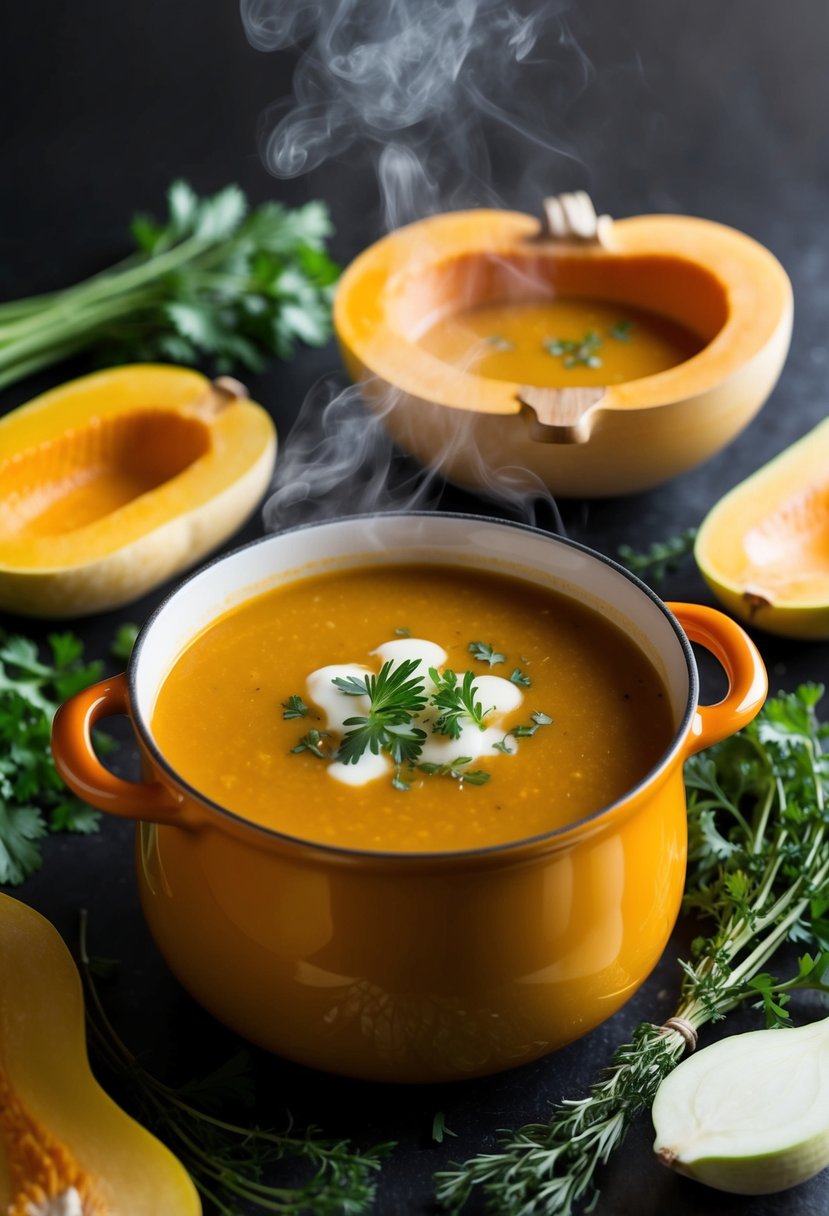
<point>340,460</point>
<point>420,84</point>
<point>430,90</point>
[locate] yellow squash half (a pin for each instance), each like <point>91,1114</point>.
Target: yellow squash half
<point>764,548</point>
<point>112,483</point>
<point>64,1144</point>
<point>482,432</point>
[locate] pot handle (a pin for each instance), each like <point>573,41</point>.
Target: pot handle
<point>83,772</point>
<point>747,679</point>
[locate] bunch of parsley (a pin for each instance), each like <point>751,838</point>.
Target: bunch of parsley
<point>33,799</point>
<point>214,281</point>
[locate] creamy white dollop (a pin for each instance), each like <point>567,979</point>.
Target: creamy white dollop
<point>494,693</point>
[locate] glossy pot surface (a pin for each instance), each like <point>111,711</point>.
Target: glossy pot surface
<point>412,967</point>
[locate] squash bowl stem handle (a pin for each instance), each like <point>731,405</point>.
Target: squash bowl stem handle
<point>747,679</point>
<point>561,415</point>
<point>83,772</point>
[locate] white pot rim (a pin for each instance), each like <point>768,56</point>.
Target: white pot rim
<point>143,650</point>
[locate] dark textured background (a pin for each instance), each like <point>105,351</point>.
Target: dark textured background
<point>709,109</point>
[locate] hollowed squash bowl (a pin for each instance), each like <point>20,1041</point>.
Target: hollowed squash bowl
<point>720,284</point>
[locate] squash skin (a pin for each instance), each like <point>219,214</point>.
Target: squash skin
<point>781,512</point>
<point>43,1057</point>
<point>112,560</point>
<point>646,431</point>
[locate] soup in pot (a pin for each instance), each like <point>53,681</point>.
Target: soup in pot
<point>412,708</point>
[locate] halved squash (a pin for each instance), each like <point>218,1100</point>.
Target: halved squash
<point>716,282</point>
<point>112,483</point>
<point>764,548</point>
<point>65,1146</point>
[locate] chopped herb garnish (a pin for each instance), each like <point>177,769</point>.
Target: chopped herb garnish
<point>396,699</point>
<point>312,743</point>
<point>575,353</point>
<point>501,746</point>
<point>520,677</point>
<point>486,653</point>
<point>455,769</point>
<point>525,732</point>
<point>499,343</point>
<point>455,701</point>
<point>622,331</point>
<point>403,632</point>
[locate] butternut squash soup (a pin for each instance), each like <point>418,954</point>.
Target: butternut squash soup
<point>412,708</point>
<point>559,342</point>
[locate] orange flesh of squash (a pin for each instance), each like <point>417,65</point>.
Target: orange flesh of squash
<point>40,1167</point>
<point>764,547</point>
<point>59,1130</point>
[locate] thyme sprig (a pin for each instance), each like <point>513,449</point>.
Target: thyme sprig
<point>758,878</point>
<point>660,558</point>
<point>228,1162</point>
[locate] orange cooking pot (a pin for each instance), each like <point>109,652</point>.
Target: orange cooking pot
<point>411,967</point>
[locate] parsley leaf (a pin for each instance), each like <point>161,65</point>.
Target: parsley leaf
<point>485,652</point>
<point>124,641</point>
<point>295,707</point>
<point>33,799</point>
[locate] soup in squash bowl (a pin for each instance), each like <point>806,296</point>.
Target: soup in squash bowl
<point>594,357</point>
<point>413,806</point>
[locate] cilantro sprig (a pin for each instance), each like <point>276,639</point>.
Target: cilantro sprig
<point>33,799</point>
<point>214,281</point>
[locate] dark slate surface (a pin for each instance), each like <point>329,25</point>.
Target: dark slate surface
<point>708,109</point>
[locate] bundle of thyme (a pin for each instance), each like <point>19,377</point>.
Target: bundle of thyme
<point>228,1162</point>
<point>758,878</point>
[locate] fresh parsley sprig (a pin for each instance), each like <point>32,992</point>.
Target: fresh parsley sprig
<point>213,281</point>
<point>758,878</point>
<point>456,702</point>
<point>33,799</point>
<point>396,696</point>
